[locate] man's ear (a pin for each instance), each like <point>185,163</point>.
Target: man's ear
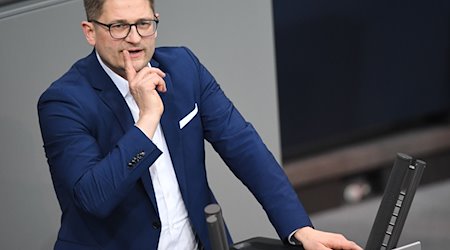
<point>157,16</point>
<point>89,32</point>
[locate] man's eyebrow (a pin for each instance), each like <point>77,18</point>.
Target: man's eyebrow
<point>138,20</point>
<point>118,21</point>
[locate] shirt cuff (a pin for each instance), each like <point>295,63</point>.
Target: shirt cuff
<point>292,240</point>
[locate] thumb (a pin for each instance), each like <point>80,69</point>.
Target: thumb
<point>129,69</point>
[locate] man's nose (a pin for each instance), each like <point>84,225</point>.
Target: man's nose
<point>133,35</point>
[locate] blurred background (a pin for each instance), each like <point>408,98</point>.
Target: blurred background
<point>358,81</point>
<point>335,89</point>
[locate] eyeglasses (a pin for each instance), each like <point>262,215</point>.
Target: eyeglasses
<point>121,30</point>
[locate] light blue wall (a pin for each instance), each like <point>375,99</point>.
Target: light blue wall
<point>232,38</point>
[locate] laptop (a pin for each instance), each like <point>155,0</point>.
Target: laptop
<point>388,224</point>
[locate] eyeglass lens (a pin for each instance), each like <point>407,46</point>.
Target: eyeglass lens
<point>121,30</point>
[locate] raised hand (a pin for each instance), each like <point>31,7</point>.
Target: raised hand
<point>144,85</point>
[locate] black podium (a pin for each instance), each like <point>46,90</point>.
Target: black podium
<point>261,243</point>
<point>219,240</point>
<point>386,229</point>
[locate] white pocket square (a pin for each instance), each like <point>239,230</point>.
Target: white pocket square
<point>188,117</point>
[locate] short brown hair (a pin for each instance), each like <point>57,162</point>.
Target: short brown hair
<point>94,8</point>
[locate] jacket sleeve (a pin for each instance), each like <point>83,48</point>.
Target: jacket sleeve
<point>242,149</point>
<point>82,174</point>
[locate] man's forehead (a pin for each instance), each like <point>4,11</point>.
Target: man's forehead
<point>127,9</point>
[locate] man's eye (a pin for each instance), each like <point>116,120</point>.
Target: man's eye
<point>144,24</point>
<point>119,26</point>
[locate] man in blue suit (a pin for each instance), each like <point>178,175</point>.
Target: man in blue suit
<point>124,133</point>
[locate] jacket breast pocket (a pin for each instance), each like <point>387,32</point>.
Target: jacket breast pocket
<point>189,117</point>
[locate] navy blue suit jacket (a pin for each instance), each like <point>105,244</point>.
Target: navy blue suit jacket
<point>99,160</point>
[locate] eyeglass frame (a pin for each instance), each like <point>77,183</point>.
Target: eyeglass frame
<point>108,26</point>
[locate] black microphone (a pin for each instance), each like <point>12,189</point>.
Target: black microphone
<point>216,227</point>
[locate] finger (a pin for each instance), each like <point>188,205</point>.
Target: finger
<point>338,241</point>
<point>354,246</point>
<point>157,71</point>
<point>129,69</point>
<point>157,79</point>
<point>161,86</point>
<point>159,83</point>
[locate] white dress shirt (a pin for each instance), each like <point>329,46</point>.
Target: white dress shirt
<point>176,229</point>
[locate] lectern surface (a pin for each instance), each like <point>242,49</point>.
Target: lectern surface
<point>261,243</point>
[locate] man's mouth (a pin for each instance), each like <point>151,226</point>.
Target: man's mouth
<point>135,52</point>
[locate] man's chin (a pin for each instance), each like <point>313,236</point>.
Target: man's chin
<point>140,65</point>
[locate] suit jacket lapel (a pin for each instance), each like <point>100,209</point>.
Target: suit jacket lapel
<point>173,139</point>
<point>108,92</point>
<point>172,134</point>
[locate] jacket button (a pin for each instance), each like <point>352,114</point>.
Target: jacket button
<point>156,224</point>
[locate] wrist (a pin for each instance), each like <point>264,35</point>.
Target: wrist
<point>301,234</point>
<point>148,124</point>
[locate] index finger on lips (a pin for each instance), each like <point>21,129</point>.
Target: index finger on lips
<point>129,69</point>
